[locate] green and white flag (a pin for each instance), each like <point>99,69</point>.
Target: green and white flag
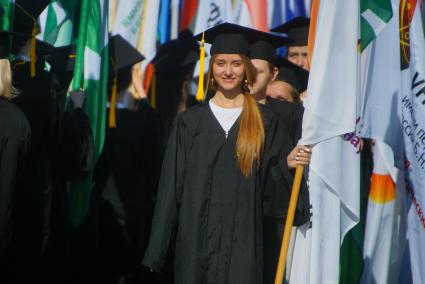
<point>56,23</point>
<point>91,74</point>
<point>375,14</point>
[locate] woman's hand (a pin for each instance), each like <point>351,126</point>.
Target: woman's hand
<point>300,155</point>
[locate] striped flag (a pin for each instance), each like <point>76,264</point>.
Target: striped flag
<point>91,74</point>
<point>329,124</point>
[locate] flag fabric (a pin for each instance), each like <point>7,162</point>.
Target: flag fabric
<point>164,21</point>
<point>188,13</point>
<point>6,17</point>
<point>381,103</point>
<point>375,14</point>
<point>385,237</point>
<point>296,8</point>
<point>175,13</point>
<point>127,20</point>
<point>51,21</point>
<point>148,31</point>
<point>413,123</point>
<point>91,74</point>
<point>254,14</point>
<point>329,124</point>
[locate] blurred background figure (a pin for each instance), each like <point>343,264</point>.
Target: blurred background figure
<point>297,30</point>
<point>290,82</point>
<point>126,174</point>
<point>174,65</point>
<point>14,143</point>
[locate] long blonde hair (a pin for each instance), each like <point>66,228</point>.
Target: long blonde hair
<point>5,79</point>
<point>250,142</point>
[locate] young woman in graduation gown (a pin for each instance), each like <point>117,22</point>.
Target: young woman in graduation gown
<point>214,180</point>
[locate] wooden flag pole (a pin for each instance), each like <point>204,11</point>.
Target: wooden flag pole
<point>288,225</point>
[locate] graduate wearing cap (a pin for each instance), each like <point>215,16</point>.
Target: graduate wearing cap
<point>15,135</point>
<point>126,174</point>
<point>297,30</point>
<point>221,158</point>
<point>39,100</point>
<point>266,62</point>
<point>174,65</point>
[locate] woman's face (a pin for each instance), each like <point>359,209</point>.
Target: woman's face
<point>228,71</point>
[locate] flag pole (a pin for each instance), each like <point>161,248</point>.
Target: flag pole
<point>288,225</point>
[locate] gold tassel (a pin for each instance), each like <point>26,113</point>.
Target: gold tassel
<point>200,93</point>
<point>113,105</point>
<point>153,91</point>
<point>32,50</point>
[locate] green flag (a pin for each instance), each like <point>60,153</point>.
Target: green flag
<point>375,14</point>
<point>91,74</point>
<point>6,14</point>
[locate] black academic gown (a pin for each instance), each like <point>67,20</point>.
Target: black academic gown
<point>126,178</point>
<point>14,143</point>
<point>40,104</point>
<point>290,114</point>
<point>205,202</point>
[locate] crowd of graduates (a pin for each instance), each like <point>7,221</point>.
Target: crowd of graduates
<point>186,192</point>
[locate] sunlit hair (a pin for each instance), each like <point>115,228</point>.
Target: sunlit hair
<point>5,79</point>
<point>250,142</point>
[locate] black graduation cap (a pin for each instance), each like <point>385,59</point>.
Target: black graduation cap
<point>175,55</point>
<point>263,44</point>
<point>122,54</point>
<point>226,38</point>
<point>292,74</point>
<point>26,14</point>
<point>297,30</point>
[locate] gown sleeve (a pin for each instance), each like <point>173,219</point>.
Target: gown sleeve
<point>12,155</point>
<point>77,146</point>
<point>276,178</point>
<point>168,198</point>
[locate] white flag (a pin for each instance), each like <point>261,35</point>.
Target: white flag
<point>128,20</point>
<point>330,117</point>
<point>413,123</point>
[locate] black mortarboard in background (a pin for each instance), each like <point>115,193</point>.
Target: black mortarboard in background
<point>122,54</point>
<point>62,62</point>
<point>263,44</point>
<point>178,54</point>
<point>26,14</point>
<point>292,74</point>
<point>122,57</point>
<point>297,30</point>
<point>226,38</point>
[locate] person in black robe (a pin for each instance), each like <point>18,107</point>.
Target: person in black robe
<point>174,65</point>
<point>126,176</point>
<point>266,62</point>
<point>15,135</point>
<point>206,202</point>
